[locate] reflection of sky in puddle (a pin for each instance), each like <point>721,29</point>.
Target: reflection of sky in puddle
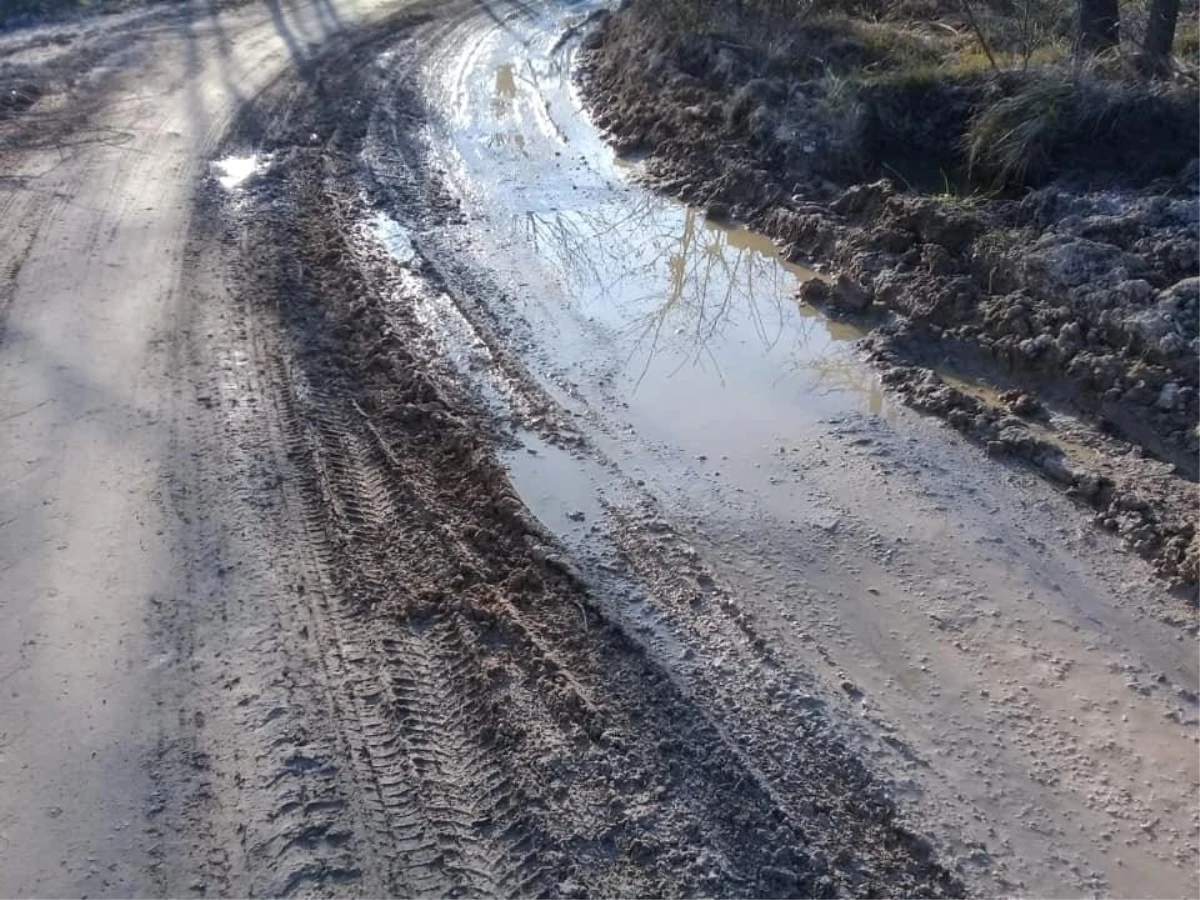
<point>683,292</point>
<point>669,306</point>
<point>234,171</point>
<point>675,340</point>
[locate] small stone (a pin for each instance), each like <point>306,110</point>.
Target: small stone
<point>1171,344</point>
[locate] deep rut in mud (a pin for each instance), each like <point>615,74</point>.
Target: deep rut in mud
<point>505,735</point>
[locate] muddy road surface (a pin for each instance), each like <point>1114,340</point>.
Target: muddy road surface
<point>398,499</point>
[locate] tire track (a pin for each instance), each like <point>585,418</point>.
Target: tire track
<point>419,703</point>
<point>438,704</point>
<point>255,797</point>
<point>504,737</point>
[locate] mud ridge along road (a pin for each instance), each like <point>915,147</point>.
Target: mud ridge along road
<point>396,499</point>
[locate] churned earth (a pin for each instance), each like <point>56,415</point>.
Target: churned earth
<point>1067,316</point>
<point>399,499</point>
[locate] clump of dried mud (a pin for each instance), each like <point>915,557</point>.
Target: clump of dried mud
<point>1083,299</point>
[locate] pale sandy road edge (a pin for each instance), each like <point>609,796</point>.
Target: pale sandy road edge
<point>97,444</point>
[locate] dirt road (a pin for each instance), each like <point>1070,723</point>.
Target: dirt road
<point>100,556</point>
<point>396,499</point>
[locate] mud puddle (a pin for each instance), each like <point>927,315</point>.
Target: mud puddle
<point>740,473</point>
<point>1061,430</point>
<point>679,338</point>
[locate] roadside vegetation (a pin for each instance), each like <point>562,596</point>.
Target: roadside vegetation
<point>991,93</point>
<point>1002,188</point>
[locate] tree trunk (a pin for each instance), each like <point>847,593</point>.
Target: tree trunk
<point>1160,37</point>
<point>1099,24</point>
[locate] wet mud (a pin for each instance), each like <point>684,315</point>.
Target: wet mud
<point>518,531</point>
<point>508,736</point>
<point>1084,299</point>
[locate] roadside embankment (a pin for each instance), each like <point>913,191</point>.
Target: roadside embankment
<point>1022,225</point>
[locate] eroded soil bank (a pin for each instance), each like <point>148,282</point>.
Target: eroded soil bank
<point>1055,323</point>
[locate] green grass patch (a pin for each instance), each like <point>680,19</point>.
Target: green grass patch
<point>960,97</point>
<point>1057,122</point>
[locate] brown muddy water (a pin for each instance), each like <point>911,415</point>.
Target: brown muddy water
<point>680,332</point>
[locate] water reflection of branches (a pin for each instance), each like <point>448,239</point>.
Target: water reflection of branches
<point>837,371</point>
<point>669,274</point>
<point>507,96</point>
